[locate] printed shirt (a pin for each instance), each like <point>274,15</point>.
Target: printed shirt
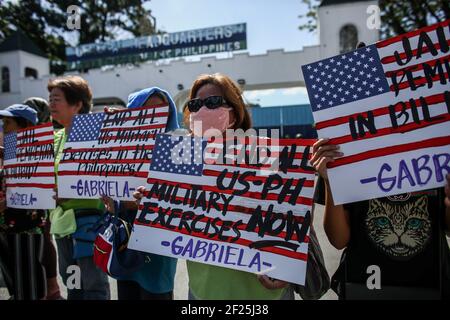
<point>403,235</point>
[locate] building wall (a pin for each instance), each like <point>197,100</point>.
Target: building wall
<point>274,69</point>
<point>22,88</point>
<point>11,60</point>
<point>333,17</point>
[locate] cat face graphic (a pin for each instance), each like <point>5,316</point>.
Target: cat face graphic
<point>400,230</point>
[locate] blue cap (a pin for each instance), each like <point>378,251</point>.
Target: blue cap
<point>22,111</point>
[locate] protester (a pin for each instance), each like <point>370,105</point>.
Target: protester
<point>226,110</point>
<point>155,279</point>
<point>21,248</point>
<point>403,236</point>
<point>49,255</point>
<point>69,96</point>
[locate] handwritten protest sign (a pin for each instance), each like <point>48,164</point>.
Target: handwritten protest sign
<point>109,154</point>
<point>30,168</point>
<point>388,107</point>
<point>229,209</point>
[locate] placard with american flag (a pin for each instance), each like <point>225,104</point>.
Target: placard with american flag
<point>110,154</point>
<point>387,106</point>
<point>226,206</point>
<point>29,167</point>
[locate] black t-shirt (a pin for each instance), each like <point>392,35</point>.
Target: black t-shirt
<point>403,235</point>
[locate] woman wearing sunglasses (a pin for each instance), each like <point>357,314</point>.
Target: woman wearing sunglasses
<point>216,103</point>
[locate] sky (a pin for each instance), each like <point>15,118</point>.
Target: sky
<point>271,24</point>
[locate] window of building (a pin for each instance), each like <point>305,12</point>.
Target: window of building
<point>5,80</point>
<point>348,38</point>
<point>31,73</point>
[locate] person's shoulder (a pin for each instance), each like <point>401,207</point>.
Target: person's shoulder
<point>58,133</point>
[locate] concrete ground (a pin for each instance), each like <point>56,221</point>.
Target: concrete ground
<point>331,256</point>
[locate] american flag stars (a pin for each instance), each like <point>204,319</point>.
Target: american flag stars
<point>10,142</point>
<point>86,127</point>
<point>186,160</point>
<point>350,77</point>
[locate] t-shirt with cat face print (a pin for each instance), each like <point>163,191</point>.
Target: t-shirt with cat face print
<point>403,235</point>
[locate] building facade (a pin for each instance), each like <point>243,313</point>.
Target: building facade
<point>25,69</point>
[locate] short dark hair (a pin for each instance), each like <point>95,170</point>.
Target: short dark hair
<point>75,89</point>
<point>22,123</point>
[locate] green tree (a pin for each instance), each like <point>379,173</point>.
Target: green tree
<point>45,23</point>
<point>31,18</point>
<point>103,20</point>
<point>310,16</point>
<point>397,17</point>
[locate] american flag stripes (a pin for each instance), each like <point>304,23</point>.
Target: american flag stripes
<point>109,154</point>
<point>29,168</point>
<point>242,215</point>
<point>388,107</point>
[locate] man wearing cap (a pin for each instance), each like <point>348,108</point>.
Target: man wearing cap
<point>23,226</point>
<point>18,116</point>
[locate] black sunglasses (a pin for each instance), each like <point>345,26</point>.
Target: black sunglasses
<point>212,102</point>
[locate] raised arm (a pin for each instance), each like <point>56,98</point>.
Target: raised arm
<point>336,219</point>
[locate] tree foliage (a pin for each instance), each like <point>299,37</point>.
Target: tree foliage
<point>45,22</point>
<point>397,17</point>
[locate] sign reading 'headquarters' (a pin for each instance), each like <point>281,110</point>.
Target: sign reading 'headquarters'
<point>169,45</point>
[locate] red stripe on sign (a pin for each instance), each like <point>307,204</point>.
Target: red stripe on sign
<point>35,154</point>
<point>40,126</point>
<point>36,143</point>
<point>134,110</point>
<point>110,161</point>
<point>291,170</point>
<point>243,242</point>
<point>418,82</point>
<point>231,208</point>
<point>298,142</point>
<point>262,141</point>
<point>31,185</point>
<point>111,149</point>
<point>213,173</point>
<point>34,175</point>
<point>142,174</point>
<point>249,194</point>
<point>134,118</point>
<point>435,142</point>
<point>392,59</point>
<point>242,227</point>
<point>389,130</point>
<point>126,137</point>
<point>109,116</point>
<point>430,100</point>
<point>252,153</point>
<point>416,67</point>
<point>149,127</point>
<point>35,135</point>
<point>411,34</point>
<point>41,164</point>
